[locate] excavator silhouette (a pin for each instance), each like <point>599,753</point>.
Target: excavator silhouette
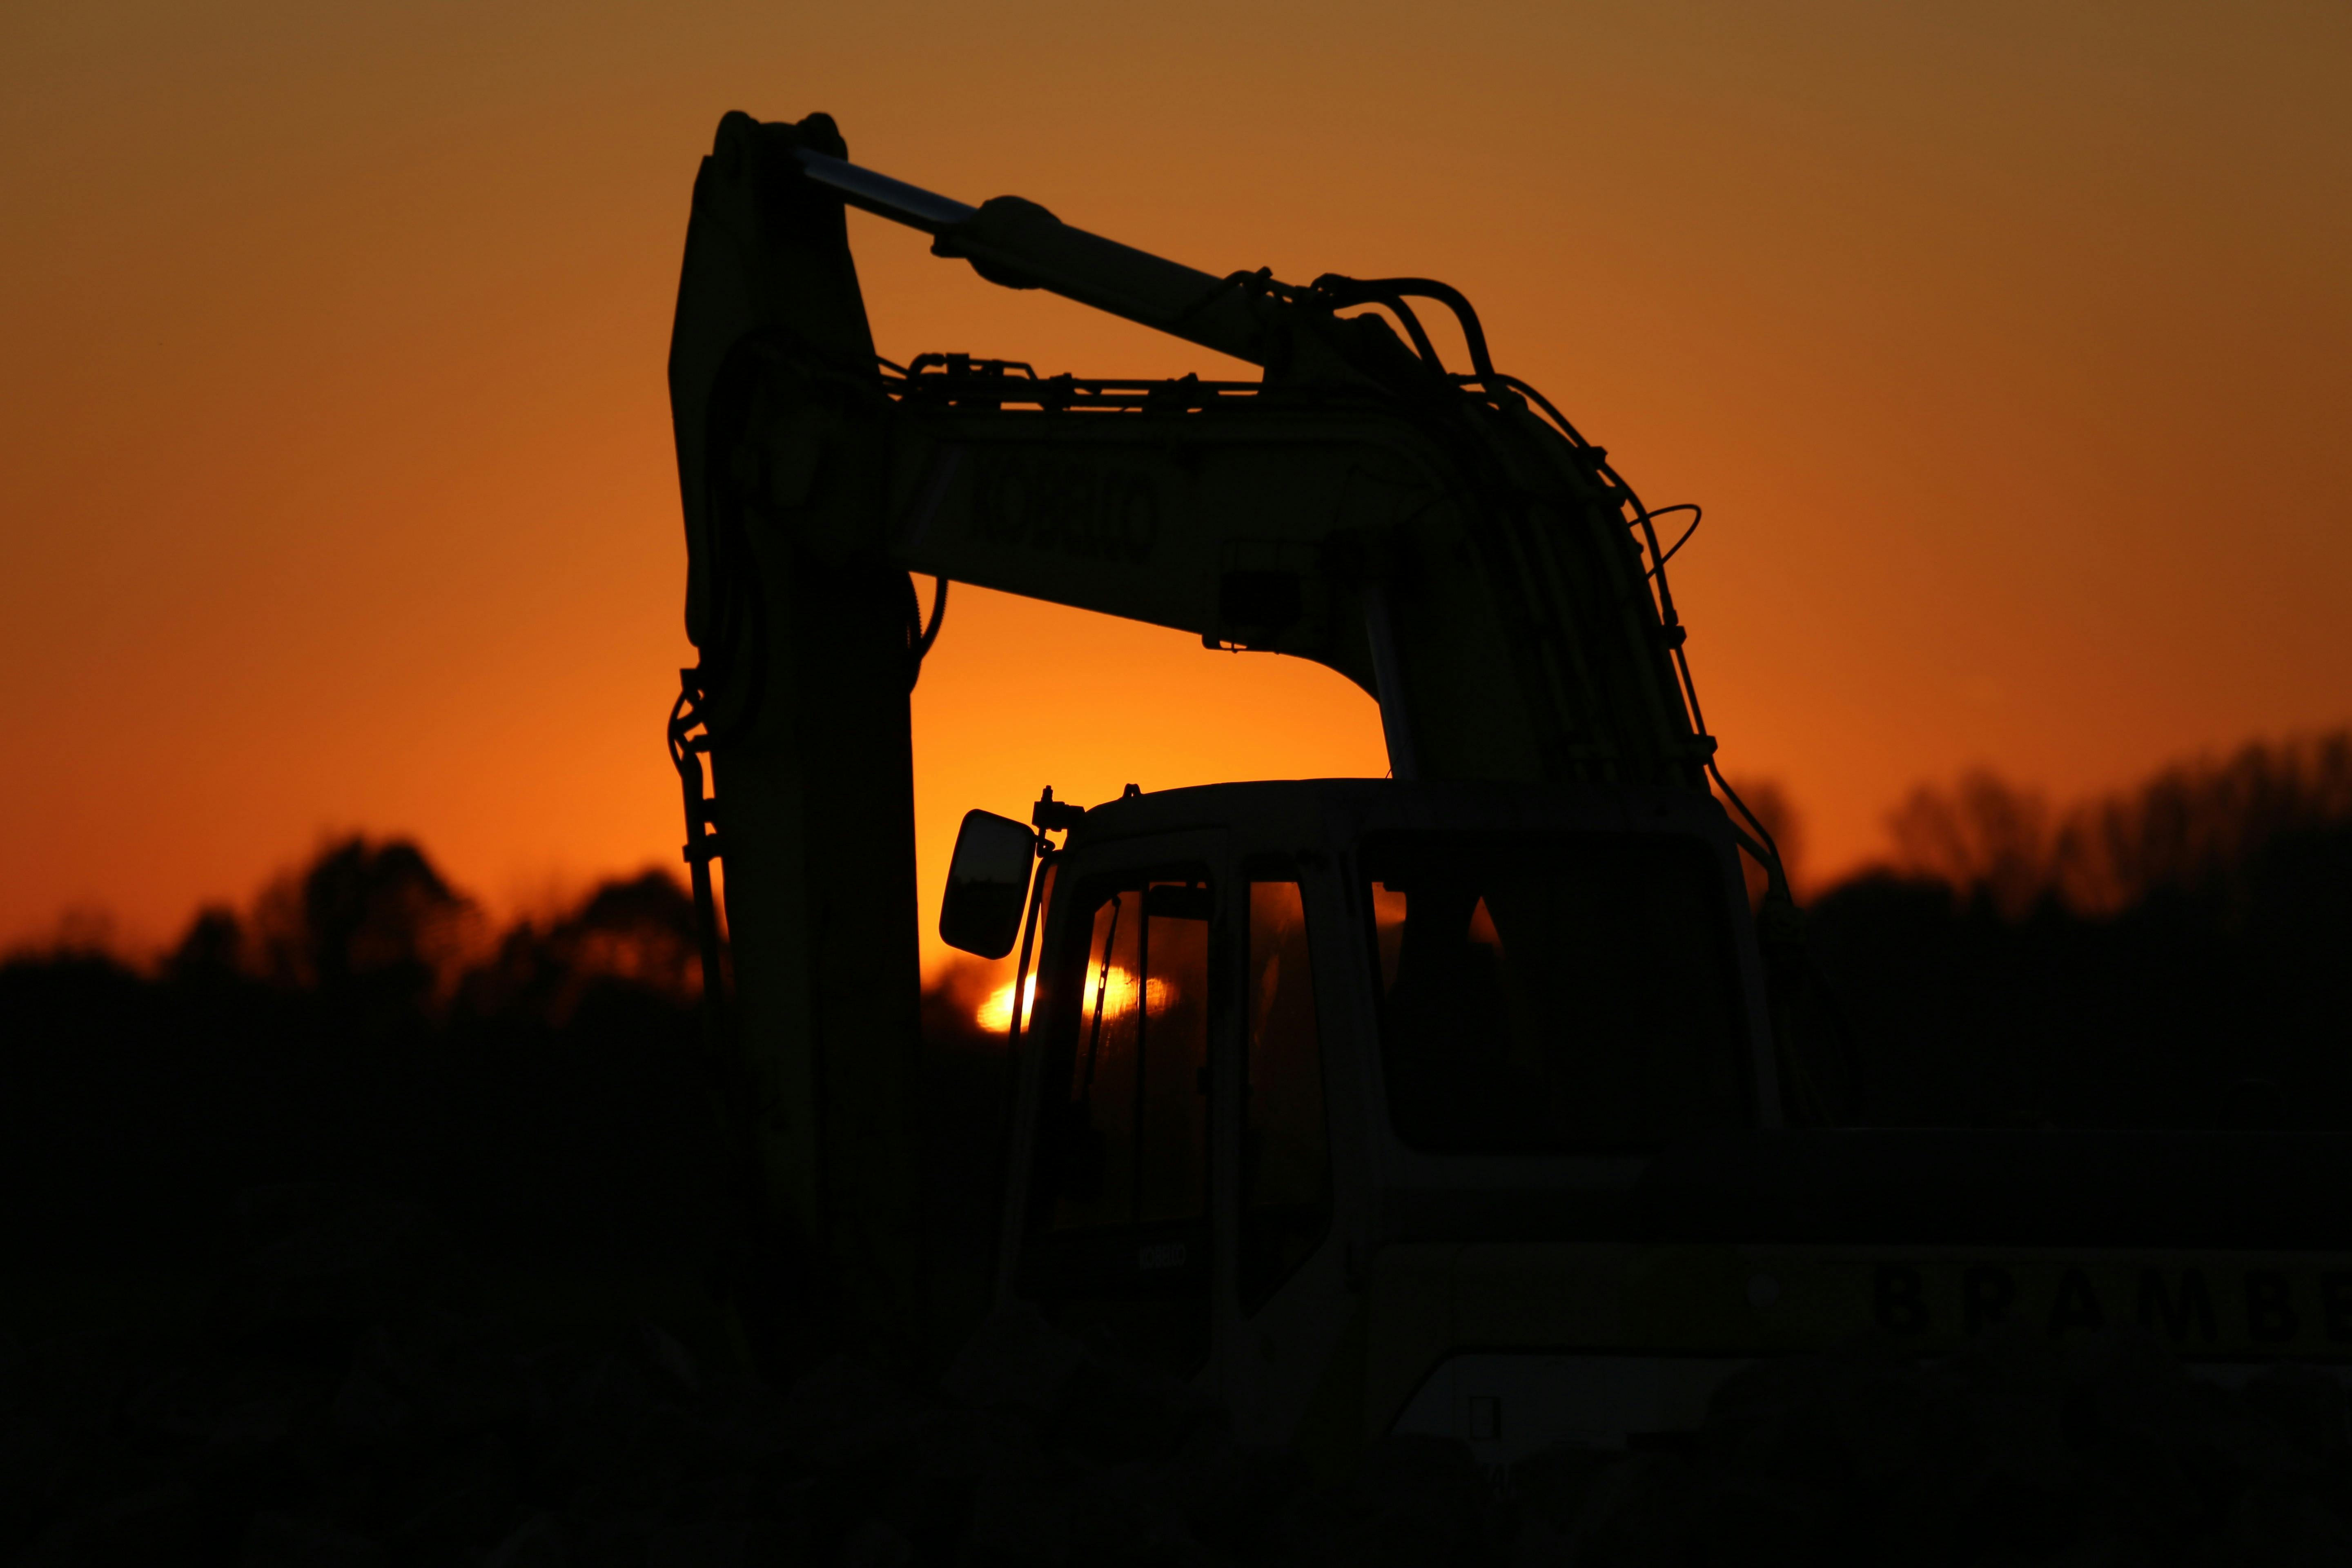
<point>1472,1100</point>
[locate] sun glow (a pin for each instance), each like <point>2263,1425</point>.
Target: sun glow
<point>995,1013</point>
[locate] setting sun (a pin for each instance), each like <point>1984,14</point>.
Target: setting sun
<point>1114,992</point>
<point>995,1015</point>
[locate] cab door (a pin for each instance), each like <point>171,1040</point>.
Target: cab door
<point>1117,1239</point>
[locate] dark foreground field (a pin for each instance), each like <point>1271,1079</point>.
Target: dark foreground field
<point>342,1399</point>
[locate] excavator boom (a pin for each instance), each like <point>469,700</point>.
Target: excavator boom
<point>1470,1102</point>
<point>1474,566</point>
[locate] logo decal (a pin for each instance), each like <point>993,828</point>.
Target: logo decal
<point>1067,505</point>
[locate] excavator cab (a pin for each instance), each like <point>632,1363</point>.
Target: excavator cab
<point>1280,1027</point>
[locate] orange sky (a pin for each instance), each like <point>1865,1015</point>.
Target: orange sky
<point>2009,348</point>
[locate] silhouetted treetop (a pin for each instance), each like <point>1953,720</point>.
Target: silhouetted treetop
<point>636,932</point>
<point>366,919</point>
<point>2194,826</point>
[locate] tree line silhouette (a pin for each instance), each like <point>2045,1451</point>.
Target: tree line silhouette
<point>359,1027</point>
<point>2172,955</point>
<point>360,1033</point>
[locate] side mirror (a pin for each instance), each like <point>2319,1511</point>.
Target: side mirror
<point>988,884</point>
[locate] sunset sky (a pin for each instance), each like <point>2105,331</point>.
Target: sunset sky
<point>2009,348</point>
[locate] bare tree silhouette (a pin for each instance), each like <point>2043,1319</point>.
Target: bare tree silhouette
<point>2192,825</point>
<point>2170,955</point>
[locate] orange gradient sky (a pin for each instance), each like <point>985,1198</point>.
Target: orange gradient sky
<point>2008,346</point>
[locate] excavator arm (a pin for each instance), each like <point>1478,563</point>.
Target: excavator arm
<point>1470,562</point>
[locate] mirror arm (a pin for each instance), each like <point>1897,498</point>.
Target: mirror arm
<point>1051,816</point>
<point>1046,854</point>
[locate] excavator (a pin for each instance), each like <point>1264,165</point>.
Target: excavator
<point>1478,1099</point>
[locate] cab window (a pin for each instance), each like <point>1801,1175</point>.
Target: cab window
<point>1555,992</point>
<point>1120,1236</point>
